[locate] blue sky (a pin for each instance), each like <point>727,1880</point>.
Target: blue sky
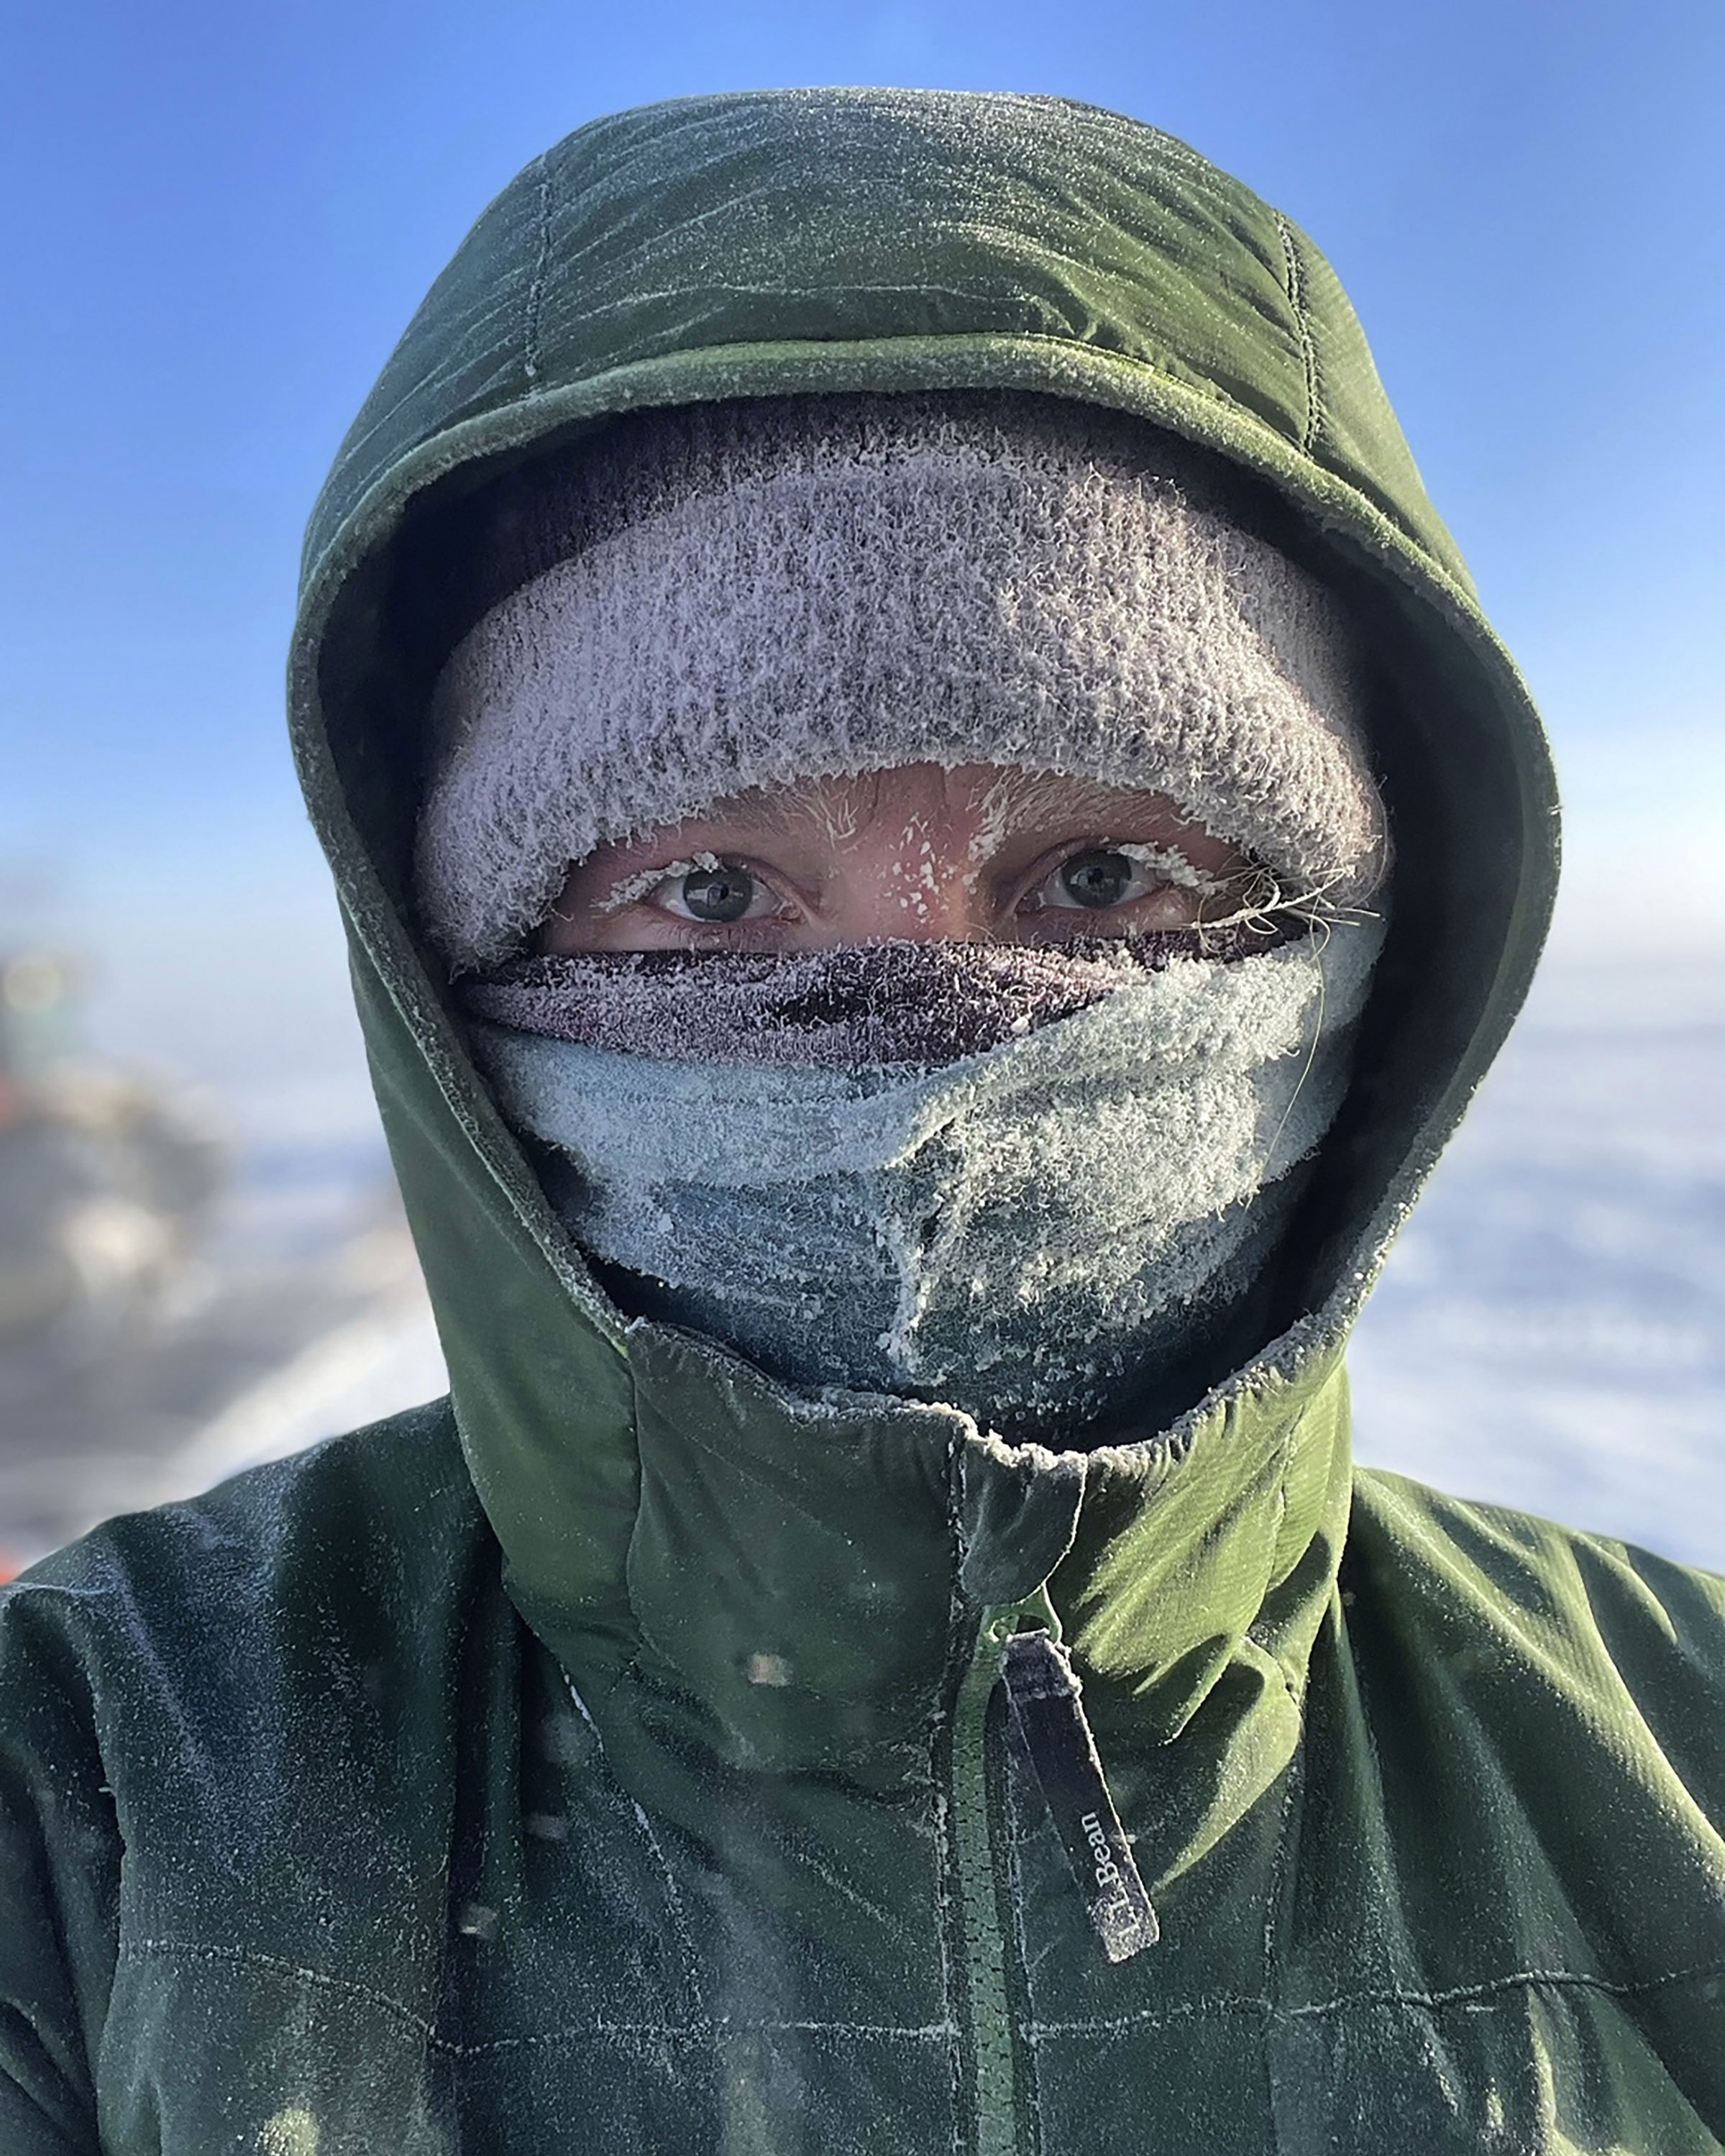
<point>218,217</point>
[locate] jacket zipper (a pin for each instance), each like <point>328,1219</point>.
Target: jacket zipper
<point>1021,1643</point>
<point>994,2096</point>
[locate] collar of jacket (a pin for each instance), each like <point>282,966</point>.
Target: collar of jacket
<point>665,1516</point>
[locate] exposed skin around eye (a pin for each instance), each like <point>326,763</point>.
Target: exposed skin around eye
<point>920,853</point>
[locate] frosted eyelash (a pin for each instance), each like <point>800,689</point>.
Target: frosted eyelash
<point>1174,867</point>
<point>637,886</point>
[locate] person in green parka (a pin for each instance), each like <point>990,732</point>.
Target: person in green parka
<point>934,842</point>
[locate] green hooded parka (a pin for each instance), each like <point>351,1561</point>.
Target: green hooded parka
<point>612,1756</point>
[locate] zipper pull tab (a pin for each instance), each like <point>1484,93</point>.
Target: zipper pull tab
<point>1045,1695</point>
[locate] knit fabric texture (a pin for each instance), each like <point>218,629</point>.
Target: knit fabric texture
<point>1042,1235</point>
<point>875,1004</point>
<point>744,595</point>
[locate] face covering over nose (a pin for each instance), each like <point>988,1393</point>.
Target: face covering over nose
<point>1040,1231</point>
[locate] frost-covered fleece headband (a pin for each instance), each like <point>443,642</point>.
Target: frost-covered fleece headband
<point>722,597</point>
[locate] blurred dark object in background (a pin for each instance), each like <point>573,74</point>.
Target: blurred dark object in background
<point>172,1308</point>
<point>106,1181</point>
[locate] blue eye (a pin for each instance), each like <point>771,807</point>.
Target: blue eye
<point>720,894</point>
<point>1096,879</point>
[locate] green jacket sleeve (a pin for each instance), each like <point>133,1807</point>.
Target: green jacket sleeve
<point>59,1871</point>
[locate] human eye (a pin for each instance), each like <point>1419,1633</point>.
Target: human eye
<point>1093,880</point>
<point>707,889</point>
<point>1106,878</point>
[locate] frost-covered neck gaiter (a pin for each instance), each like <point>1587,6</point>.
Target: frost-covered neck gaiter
<point>1035,1185</point>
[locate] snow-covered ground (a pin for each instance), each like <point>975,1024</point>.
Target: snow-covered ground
<point>1550,1330</point>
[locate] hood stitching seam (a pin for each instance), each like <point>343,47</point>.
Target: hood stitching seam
<point>1308,349</point>
<point>535,290</point>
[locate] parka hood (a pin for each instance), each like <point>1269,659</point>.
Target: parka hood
<point>788,1568</point>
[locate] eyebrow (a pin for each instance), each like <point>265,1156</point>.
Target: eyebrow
<point>1020,796</point>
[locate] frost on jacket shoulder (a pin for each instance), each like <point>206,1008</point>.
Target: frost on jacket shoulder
<point>303,1832</point>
